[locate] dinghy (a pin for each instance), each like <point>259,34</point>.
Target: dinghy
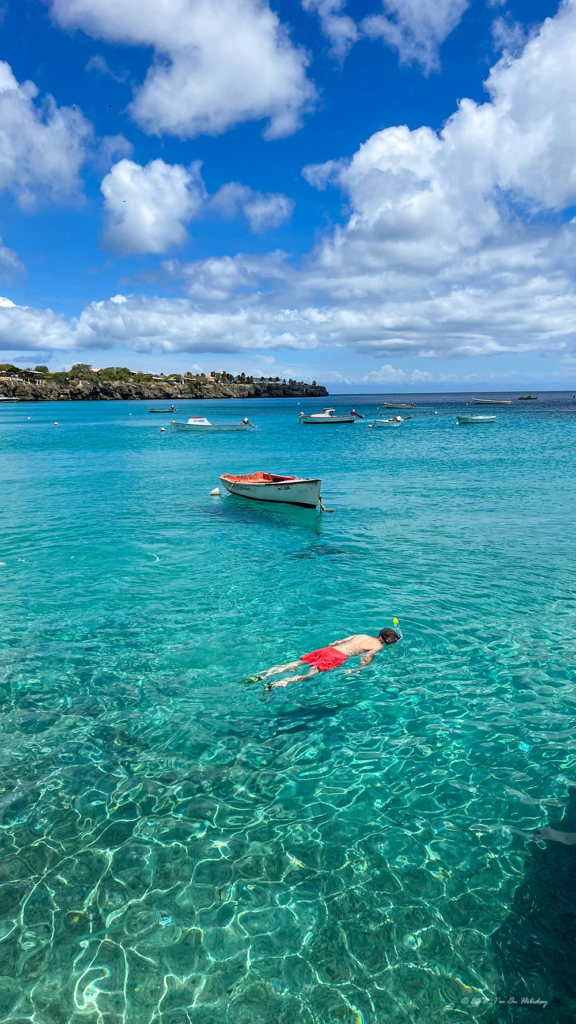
<point>399,405</point>
<point>199,424</point>
<point>492,401</point>
<point>291,490</point>
<point>394,422</point>
<point>475,419</point>
<point>528,398</point>
<point>327,416</point>
<point>171,409</point>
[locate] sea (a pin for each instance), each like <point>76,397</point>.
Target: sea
<point>392,845</point>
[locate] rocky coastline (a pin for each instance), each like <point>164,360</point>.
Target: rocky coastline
<point>110,391</point>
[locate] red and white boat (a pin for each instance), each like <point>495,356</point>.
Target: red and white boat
<point>291,490</point>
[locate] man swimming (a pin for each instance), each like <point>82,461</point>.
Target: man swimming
<point>326,658</point>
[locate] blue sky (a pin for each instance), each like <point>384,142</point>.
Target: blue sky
<point>378,195</point>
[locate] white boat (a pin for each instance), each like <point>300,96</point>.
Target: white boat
<point>399,405</point>
<point>291,490</point>
<point>492,401</point>
<point>475,419</point>
<point>199,424</point>
<point>10,398</point>
<point>326,416</point>
<point>394,422</point>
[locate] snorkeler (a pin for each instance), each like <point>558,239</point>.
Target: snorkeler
<point>326,658</point>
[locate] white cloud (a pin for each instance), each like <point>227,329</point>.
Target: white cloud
<point>340,29</point>
<point>508,35</point>
<point>416,28</point>
<point>263,210</point>
<point>98,63</point>
<point>10,265</point>
<point>42,146</point>
<point>457,243</point>
<point>388,375</point>
<point>220,279</point>
<point>25,329</point>
<point>147,207</point>
<point>217,62</point>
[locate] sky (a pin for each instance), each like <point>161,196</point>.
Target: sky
<point>379,195</point>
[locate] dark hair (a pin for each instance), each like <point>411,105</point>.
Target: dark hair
<point>388,636</point>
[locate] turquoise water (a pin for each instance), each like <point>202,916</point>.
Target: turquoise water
<point>176,848</point>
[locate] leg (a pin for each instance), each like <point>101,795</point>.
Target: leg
<point>292,679</point>
<point>279,668</point>
<point>271,672</point>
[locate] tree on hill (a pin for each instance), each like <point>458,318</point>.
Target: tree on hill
<point>42,369</point>
<point>81,371</point>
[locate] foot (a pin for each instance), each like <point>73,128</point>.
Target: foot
<point>250,679</point>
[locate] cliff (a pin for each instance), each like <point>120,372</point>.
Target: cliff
<point>49,390</point>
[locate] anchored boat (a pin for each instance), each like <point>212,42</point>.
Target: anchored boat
<point>399,405</point>
<point>492,401</point>
<point>327,416</point>
<point>528,398</point>
<point>199,424</point>
<point>395,422</point>
<point>291,490</point>
<point>474,419</point>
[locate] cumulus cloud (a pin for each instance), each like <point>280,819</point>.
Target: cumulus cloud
<point>416,28</point>
<point>262,210</point>
<point>147,207</point>
<point>388,375</point>
<point>455,243</point>
<point>25,329</point>
<point>217,62</point>
<point>340,29</point>
<point>222,278</point>
<point>42,146</point>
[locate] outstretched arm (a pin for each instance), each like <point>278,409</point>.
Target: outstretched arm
<point>366,659</point>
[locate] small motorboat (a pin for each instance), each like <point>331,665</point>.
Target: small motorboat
<point>199,424</point>
<point>399,405</point>
<point>326,416</point>
<point>290,490</point>
<point>9,398</point>
<point>171,409</point>
<point>474,419</point>
<point>528,398</point>
<point>394,422</point>
<point>492,401</point>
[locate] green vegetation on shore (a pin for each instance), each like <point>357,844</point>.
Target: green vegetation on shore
<point>83,371</point>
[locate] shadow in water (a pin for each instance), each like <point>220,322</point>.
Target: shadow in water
<point>321,551</point>
<point>305,717</point>
<point>536,944</point>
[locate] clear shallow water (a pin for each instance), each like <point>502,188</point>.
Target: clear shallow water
<point>175,849</point>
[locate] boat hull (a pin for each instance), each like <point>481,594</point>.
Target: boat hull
<point>391,405</point>
<point>327,419</point>
<point>492,401</point>
<point>475,419</point>
<point>206,428</point>
<point>302,492</point>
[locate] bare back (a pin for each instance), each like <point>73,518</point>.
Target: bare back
<point>360,643</point>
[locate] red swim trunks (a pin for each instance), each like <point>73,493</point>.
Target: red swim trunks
<point>325,658</point>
